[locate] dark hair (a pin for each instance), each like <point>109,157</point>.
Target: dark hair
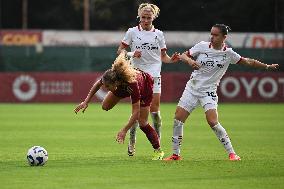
<point>223,28</point>
<point>109,77</point>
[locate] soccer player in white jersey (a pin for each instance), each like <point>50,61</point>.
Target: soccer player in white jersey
<point>211,60</point>
<point>147,51</point>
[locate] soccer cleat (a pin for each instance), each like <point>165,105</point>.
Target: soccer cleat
<point>131,149</point>
<point>173,157</point>
<point>234,157</point>
<point>158,155</point>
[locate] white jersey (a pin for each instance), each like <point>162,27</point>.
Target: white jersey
<point>214,64</point>
<point>150,43</point>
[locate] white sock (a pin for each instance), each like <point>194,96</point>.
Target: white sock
<point>223,138</point>
<point>177,136</point>
<point>157,122</point>
<point>132,133</point>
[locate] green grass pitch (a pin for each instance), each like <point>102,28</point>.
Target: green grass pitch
<point>83,152</point>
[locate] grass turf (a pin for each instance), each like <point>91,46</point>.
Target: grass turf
<point>83,152</point>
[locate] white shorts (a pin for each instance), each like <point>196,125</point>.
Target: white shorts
<point>192,98</point>
<point>157,85</point>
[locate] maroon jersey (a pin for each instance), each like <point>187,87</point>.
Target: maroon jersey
<point>141,90</point>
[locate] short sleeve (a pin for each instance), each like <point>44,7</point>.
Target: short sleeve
<point>162,42</point>
<point>127,37</point>
<point>235,57</point>
<point>195,50</point>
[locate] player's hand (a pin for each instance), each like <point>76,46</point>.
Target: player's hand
<point>123,51</point>
<point>137,54</point>
<point>175,57</point>
<point>273,67</point>
<point>120,137</point>
<point>184,57</point>
<point>82,106</point>
<point>194,65</point>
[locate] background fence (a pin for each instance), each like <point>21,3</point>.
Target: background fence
<point>60,66</point>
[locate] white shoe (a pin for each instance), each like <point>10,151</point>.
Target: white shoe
<point>131,149</point>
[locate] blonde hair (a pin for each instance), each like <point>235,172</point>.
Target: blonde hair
<point>121,71</point>
<point>151,7</point>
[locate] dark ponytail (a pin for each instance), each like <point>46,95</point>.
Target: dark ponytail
<point>223,28</point>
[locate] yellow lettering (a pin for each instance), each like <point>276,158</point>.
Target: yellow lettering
<point>20,39</point>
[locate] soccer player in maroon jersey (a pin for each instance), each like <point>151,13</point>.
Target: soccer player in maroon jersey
<point>122,80</point>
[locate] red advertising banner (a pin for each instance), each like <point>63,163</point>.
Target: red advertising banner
<point>20,37</point>
<point>46,87</point>
<point>73,87</point>
<point>252,87</point>
<point>234,87</point>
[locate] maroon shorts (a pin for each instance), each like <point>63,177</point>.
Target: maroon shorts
<point>143,92</point>
<point>147,94</point>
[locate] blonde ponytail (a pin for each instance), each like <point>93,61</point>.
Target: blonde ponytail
<point>124,71</point>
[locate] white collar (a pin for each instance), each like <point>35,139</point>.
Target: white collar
<point>141,29</point>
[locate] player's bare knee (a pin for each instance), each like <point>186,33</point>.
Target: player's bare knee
<point>181,114</point>
<point>212,123</point>
<point>142,123</point>
<point>105,107</point>
<point>154,107</point>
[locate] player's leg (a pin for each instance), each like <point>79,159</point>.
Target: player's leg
<point>180,117</point>
<point>187,103</point>
<point>155,113</point>
<point>110,101</point>
<point>150,133</point>
<point>212,119</point>
<point>132,139</point>
<point>155,105</point>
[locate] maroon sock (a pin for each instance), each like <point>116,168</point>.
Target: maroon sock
<point>152,135</point>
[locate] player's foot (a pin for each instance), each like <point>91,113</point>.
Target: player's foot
<point>234,157</point>
<point>131,149</point>
<point>173,157</point>
<point>158,155</point>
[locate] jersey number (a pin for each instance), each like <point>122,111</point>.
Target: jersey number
<point>212,94</point>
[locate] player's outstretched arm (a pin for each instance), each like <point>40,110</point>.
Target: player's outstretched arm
<point>257,64</point>
<point>84,105</point>
<point>185,58</point>
<point>167,59</point>
<point>120,137</point>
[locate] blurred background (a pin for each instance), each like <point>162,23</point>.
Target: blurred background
<point>182,15</point>
<point>52,51</point>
